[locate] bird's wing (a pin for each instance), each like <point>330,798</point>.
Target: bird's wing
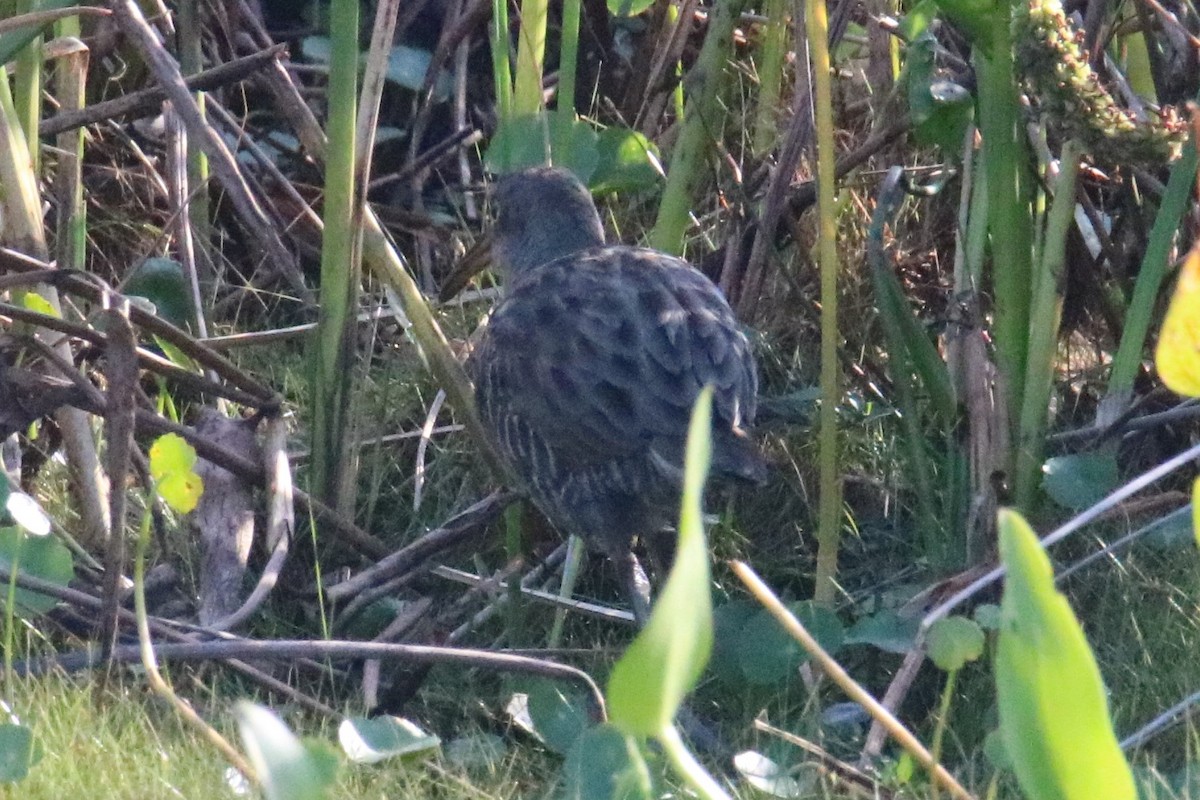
<point>603,355</point>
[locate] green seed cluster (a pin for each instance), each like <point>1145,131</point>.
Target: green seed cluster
<point>1070,95</point>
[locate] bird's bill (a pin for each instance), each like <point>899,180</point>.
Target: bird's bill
<point>473,262</point>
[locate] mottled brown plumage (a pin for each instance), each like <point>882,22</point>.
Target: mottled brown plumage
<point>586,373</point>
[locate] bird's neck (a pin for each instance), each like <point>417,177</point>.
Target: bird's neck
<point>558,243</point>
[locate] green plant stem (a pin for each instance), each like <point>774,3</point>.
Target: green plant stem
<point>1009,222</point>
<point>501,72</point>
<point>191,62</point>
<point>943,719</point>
<point>1043,332</point>
<point>531,53</point>
<point>695,776</point>
<point>568,64</point>
<point>773,49</point>
<point>695,138</point>
<point>150,661</point>
<point>70,82</point>
<point>27,88</point>
<point>333,346</point>
<point>1150,277</point>
<point>829,507</point>
<point>10,631</point>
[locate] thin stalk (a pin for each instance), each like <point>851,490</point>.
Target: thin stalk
<point>150,661</point>
<point>10,622</point>
<point>847,684</point>
<point>829,509</point>
<point>1043,333</point>
<point>695,137</point>
<point>1005,162</point>
<point>695,776</point>
<point>939,730</point>
<point>333,347</point>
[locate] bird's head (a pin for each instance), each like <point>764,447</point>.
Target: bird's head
<point>543,213</point>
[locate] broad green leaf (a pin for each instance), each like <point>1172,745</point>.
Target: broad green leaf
<point>769,654</point>
<point>17,752</point>
<point>664,662</point>
<point>26,513</point>
<point>35,302</point>
<point>525,141</point>
<point>161,281</point>
<point>482,751</point>
<point>623,161</point>
<point>605,764</point>
<point>181,491</point>
<point>953,642</point>
<point>987,616</point>
<point>558,713</point>
<point>12,42</point>
<point>171,463</point>
<point>1178,352</point>
<point>885,630</point>
<point>1053,710</point>
<point>368,741</point>
<point>1196,510</point>
<point>169,454</point>
<point>37,556</point>
<point>288,768</point>
<point>628,8</point>
<point>729,620</point>
<point>1078,481</point>
<point>940,109</point>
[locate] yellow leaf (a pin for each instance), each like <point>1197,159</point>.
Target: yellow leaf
<point>35,302</point>
<point>1178,354</point>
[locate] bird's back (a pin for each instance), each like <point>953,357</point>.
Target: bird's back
<point>586,375</point>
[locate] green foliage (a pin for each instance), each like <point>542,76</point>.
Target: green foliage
<point>559,713</point>
<point>171,463</point>
<point>18,752</point>
<point>39,557</point>
<point>367,741</point>
<point>161,282</point>
<point>954,642</point>
<point>663,663</point>
<point>288,768</point>
<point>940,110</point>
<point>605,764</point>
<point>1053,709</point>
<point>1078,481</point>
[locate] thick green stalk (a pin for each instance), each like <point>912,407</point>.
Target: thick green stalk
<point>333,348</point>
<point>695,138</point>
<point>1150,278</point>
<point>191,61</point>
<point>1005,163</point>
<point>568,64</point>
<point>531,52</point>
<point>70,80</point>
<point>27,87</point>
<point>829,506</point>
<point>501,72</point>
<point>770,74</point>
<point>1043,333</point>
